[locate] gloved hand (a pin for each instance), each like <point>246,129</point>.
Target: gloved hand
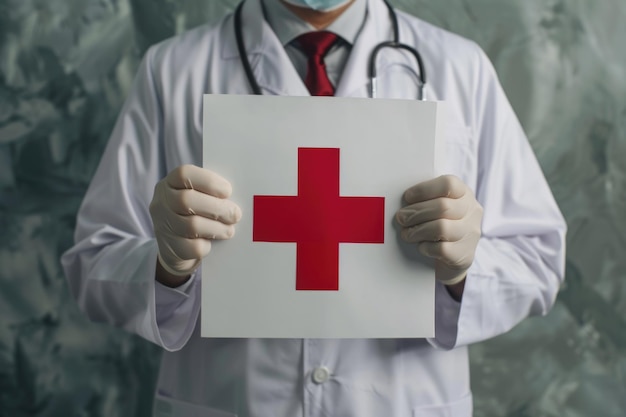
<point>188,210</point>
<point>444,219</point>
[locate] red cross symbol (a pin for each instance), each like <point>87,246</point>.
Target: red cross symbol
<point>318,219</point>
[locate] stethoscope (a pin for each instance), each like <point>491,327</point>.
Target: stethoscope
<point>395,43</point>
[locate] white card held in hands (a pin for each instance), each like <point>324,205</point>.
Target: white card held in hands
<point>317,253</point>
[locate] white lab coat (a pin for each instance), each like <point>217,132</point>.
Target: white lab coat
<point>517,269</point>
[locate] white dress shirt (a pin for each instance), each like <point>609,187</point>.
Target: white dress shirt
<point>287,27</point>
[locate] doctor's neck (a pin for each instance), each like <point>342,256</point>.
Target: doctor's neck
<point>319,20</point>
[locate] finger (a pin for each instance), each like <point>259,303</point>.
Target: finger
<point>192,202</point>
<point>441,230</point>
<point>185,248</point>
<point>449,253</point>
<point>443,186</point>
<point>195,227</point>
<point>192,177</point>
<point>425,211</point>
<point>431,249</point>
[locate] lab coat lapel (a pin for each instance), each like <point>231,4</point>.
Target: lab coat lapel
<point>270,64</point>
<point>355,81</point>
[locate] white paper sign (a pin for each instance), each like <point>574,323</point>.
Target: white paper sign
<point>317,252</point>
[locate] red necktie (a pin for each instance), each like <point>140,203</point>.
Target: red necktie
<point>315,45</point>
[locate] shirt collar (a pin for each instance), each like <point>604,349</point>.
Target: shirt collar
<point>288,26</point>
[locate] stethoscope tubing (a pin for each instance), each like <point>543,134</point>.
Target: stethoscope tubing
<point>395,44</point>
<point>243,56</point>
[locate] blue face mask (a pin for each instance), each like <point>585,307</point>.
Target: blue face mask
<point>320,5</point>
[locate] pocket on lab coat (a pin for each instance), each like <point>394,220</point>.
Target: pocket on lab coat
<point>461,159</point>
<point>459,408</point>
<point>169,407</point>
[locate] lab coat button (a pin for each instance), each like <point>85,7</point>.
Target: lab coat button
<point>321,375</point>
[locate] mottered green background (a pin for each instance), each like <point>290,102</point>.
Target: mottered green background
<point>65,68</point>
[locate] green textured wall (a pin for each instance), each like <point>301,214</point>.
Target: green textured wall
<point>65,68</point>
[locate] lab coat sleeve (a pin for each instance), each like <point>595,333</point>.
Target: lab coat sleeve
<point>111,267</point>
<point>519,261</point>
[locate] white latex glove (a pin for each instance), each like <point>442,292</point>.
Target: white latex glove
<point>188,210</point>
<point>444,219</point>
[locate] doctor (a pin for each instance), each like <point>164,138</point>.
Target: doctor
<point>150,215</point>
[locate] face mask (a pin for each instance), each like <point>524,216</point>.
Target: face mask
<point>319,5</point>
